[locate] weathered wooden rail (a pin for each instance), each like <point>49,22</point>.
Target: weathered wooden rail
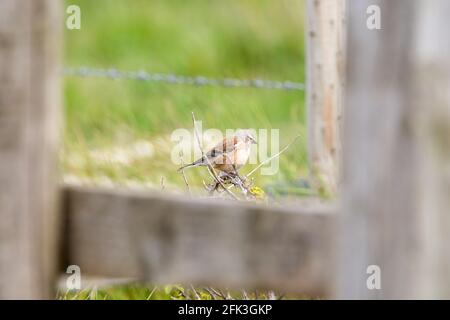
<point>162,238</point>
<point>393,146</point>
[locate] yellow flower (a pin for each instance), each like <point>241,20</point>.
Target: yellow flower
<point>258,193</point>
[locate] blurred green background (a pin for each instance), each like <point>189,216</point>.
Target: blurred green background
<point>110,123</point>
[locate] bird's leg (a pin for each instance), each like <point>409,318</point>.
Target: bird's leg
<point>241,180</point>
<point>222,177</point>
<point>231,176</point>
<point>236,180</point>
<point>235,173</point>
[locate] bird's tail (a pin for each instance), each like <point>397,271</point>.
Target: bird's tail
<point>197,163</point>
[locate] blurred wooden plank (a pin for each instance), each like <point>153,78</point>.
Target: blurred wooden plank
<point>397,152</point>
<point>431,105</point>
<point>29,114</point>
<point>325,40</point>
<point>380,216</point>
<point>168,239</point>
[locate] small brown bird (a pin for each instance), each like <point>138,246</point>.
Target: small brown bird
<point>229,155</point>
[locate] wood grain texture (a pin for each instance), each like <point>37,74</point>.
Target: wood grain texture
<point>396,150</point>
<point>29,115</point>
<point>167,239</point>
<point>325,35</point>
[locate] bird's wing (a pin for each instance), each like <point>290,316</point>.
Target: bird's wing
<point>222,148</point>
<point>225,146</point>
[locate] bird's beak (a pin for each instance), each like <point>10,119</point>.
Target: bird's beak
<point>254,142</point>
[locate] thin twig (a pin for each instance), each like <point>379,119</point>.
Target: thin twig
<point>92,293</point>
<point>211,293</point>
<point>270,159</point>
<point>225,296</point>
<point>151,293</point>
<point>78,294</point>
<point>162,183</point>
<point>210,167</point>
<point>280,297</point>
<point>196,293</point>
<point>184,175</point>
<point>271,295</point>
<point>185,296</point>
<point>234,180</point>
<point>219,293</point>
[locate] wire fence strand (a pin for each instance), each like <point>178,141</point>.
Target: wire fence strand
<point>183,80</point>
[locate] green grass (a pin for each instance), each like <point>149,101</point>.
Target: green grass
<point>229,38</point>
<point>247,39</point>
<point>134,291</point>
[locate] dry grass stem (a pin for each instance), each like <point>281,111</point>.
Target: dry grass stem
<point>272,157</point>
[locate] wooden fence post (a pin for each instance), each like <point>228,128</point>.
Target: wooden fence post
<point>325,36</point>
<point>396,170</point>
<point>29,117</point>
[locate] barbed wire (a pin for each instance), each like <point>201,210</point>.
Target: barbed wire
<point>181,79</point>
